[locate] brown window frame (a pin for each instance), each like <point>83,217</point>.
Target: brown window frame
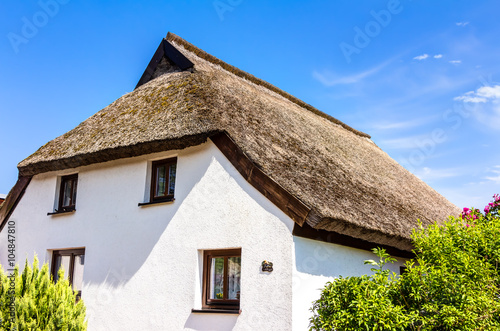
<point>71,268</point>
<point>154,166</point>
<point>74,188</point>
<point>218,303</point>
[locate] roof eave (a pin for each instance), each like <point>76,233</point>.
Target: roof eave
<point>12,199</point>
<point>114,154</point>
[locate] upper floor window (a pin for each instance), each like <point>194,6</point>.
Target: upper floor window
<point>72,262</point>
<point>221,279</point>
<point>67,193</point>
<point>163,180</point>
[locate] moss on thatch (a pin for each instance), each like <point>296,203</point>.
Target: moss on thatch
<point>351,185</point>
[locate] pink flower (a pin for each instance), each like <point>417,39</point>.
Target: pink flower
<point>486,209</point>
<point>467,225</point>
<point>466,213</point>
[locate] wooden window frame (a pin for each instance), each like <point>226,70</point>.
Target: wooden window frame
<point>154,166</point>
<point>71,269</point>
<point>71,206</point>
<point>218,303</point>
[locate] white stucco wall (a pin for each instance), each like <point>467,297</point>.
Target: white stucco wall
<point>142,264</point>
<point>316,263</point>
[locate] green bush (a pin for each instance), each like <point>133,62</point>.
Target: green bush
<point>453,283</point>
<point>38,303</point>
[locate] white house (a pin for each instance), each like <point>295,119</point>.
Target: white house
<point>208,199</point>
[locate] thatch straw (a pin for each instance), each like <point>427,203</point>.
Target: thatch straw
<point>351,185</point>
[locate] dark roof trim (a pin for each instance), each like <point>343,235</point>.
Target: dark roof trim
<point>285,201</point>
<point>177,57</point>
<point>240,73</point>
<point>301,214</point>
<point>13,199</point>
<point>115,153</point>
<point>170,52</point>
<point>306,231</point>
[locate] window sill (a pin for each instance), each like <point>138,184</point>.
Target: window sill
<point>216,311</point>
<point>141,204</point>
<point>61,212</point>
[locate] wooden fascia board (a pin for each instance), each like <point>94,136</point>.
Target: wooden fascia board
<point>175,56</point>
<point>306,231</point>
<point>150,69</point>
<point>290,205</point>
<point>13,199</point>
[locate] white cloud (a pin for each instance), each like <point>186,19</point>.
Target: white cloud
<point>490,92</point>
<point>428,174</point>
<point>421,57</point>
<point>482,95</point>
<point>484,105</point>
<point>455,61</point>
<point>404,143</point>
<point>328,78</point>
<point>395,125</point>
<point>496,175</point>
<point>462,23</point>
<point>438,56</point>
<point>385,125</point>
<point>470,98</point>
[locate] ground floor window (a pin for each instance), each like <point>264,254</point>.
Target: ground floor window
<point>221,279</point>
<point>72,262</point>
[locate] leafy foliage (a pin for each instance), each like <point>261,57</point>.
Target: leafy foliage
<point>453,283</point>
<point>39,303</point>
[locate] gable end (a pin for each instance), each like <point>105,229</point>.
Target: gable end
<point>164,52</point>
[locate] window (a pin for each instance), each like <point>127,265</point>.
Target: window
<point>72,262</point>
<point>221,279</point>
<point>67,193</point>
<point>163,180</point>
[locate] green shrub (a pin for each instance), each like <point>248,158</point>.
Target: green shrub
<point>453,283</point>
<point>39,304</point>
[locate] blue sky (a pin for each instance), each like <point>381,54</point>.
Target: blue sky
<point>421,77</point>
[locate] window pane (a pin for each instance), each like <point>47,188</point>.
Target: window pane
<point>68,184</point>
<point>171,179</point>
<point>234,274</point>
<point>217,278</point>
<point>64,261</point>
<point>78,272</point>
<point>73,195</point>
<point>161,178</point>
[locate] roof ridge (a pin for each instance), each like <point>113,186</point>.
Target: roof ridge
<point>243,74</point>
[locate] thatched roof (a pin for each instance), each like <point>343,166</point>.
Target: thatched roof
<point>350,185</point>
